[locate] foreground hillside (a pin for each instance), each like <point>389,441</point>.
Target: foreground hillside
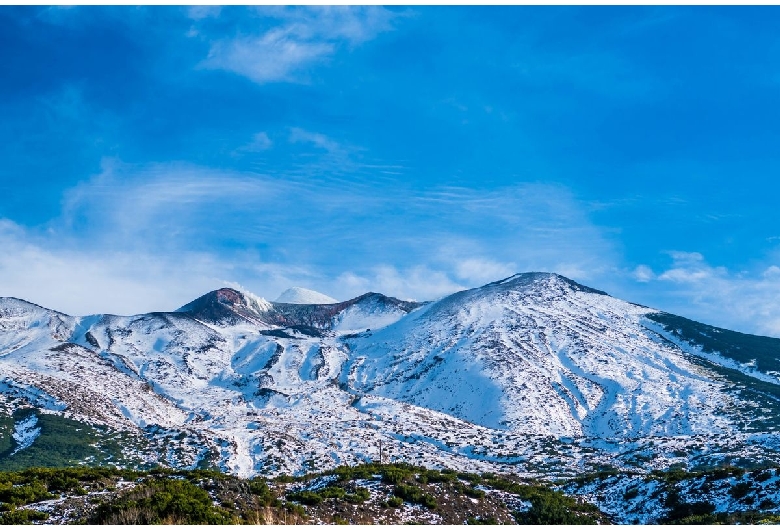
<point>533,375</point>
<point>367,494</point>
<point>386,494</point>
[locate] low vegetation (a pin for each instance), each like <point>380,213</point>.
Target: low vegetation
<point>370,493</point>
<point>62,442</point>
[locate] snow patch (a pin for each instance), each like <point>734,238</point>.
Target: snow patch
<point>25,433</point>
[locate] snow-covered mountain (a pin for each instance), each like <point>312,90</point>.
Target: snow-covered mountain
<point>531,374</point>
<point>300,295</point>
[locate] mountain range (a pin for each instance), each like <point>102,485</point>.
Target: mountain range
<point>534,374</point>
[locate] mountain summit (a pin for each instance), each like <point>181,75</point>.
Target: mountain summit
<point>227,306</point>
<point>299,295</point>
<point>531,374</point>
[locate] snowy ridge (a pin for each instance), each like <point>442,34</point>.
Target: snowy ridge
<point>543,357</point>
<point>531,374</point>
<point>371,311</point>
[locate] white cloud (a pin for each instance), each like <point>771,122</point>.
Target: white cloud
<point>354,24</point>
<point>477,271</point>
<point>643,273</point>
<point>771,272</point>
<point>745,301</point>
<point>274,56</point>
<point>298,135</point>
<point>304,37</point>
<point>683,258</point>
<point>690,267</point>
<point>153,203</point>
<point>260,142</point>
<point>85,282</point>
<point>200,12</point>
<point>81,281</point>
<point>141,238</point>
<point>413,283</point>
<point>529,227</point>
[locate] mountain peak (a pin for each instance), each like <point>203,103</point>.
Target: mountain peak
<point>544,278</point>
<point>10,305</point>
<point>300,295</point>
<point>226,305</point>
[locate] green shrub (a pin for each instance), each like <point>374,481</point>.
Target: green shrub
<point>692,512</point>
<point>65,442</point>
<point>162,500</point>
<point>332,492</point>
<point>395,502</point>
<point>309,498</point>
<point>24,494</point>
<point>395,475</point>
<point>553,507</point>
<point>474,493</point>
<point>631,493</point>
<point>22,516</point>
<point>761,475</point>
<point>314,497</point>
<point>295,509</point>
<point>725,472</point>
<point>265,496</point>
<point>359,496</point>
<point>740,489</point>
<point>413,494</point>
<point>432,475</point>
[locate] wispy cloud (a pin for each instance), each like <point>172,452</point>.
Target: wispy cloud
<point>744,300</point>
<point>260,142</point>
<point>643,274</point>
<point>203,11</point>
<point>412,283</point>
<point>475,271</point>
<point>298,135</point>
<point>275,56</point>
<point>81,279</point>
<point>192,227</point>
<point>303,36</point>
<point>353,24</point>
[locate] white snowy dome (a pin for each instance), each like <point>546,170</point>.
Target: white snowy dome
<point>299,295</point>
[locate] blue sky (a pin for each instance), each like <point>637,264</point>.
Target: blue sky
<point>152,154</point>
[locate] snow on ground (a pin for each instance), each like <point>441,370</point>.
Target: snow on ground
<point>642,498</point>
<point>299,295</point>
<point>25,433</point>
<point>530,375</point>
<point>543,360</point>
<point>366,316</point>
<point>748,369</point>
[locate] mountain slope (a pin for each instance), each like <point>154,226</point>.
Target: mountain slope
<point>543,355</point>
<point>531,374</point>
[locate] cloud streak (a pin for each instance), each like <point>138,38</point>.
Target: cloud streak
<point>303,37</point>
<point>275,232</point>
<point>746,301</point>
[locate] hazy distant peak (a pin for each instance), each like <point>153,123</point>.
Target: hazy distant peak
<point>299,295</point>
